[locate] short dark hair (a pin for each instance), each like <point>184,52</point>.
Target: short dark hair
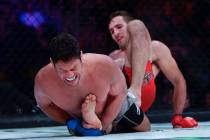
<point>64,47</point>
<point>126,16</point>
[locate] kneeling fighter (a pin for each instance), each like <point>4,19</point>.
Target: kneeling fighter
<point>64,85</point>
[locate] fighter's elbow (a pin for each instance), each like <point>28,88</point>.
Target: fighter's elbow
<point>179,82</point>
<point>183,81</point>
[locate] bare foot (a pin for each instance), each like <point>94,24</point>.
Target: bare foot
<point>90,118</point>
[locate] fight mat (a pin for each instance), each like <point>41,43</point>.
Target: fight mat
<point>159,131</point>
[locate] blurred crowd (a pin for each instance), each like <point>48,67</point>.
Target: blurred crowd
<point>26,26</point>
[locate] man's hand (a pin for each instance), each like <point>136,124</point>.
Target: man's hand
<point>178,121</point>
<point>108,129</point>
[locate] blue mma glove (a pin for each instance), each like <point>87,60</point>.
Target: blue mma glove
<point>75,128</point>
<point>72,125</point>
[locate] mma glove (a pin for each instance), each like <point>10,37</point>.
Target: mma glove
<point>183,122</point>
<point>76,129</point>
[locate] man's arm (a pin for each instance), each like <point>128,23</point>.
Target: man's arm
<point>116,97</point>
<point>168,66</point>
<point>119,58</point>
<point>48,107</point>
<point>140,41</point>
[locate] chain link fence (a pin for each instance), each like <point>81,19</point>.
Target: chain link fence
<point>27,26</point>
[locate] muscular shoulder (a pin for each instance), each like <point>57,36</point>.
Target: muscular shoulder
<point>43,78</point>
<point>117,54</point>
<point>159,50</point>
<point>136,24</point>
<point>97,58</point>
<point>41,83</point>
<point>102,64</point>
<point>43,72</point>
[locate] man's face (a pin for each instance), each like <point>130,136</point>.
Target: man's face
<point>69,72</point>
<point>118,30</point>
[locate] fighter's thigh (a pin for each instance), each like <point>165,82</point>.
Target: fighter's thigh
<point>144,126</point>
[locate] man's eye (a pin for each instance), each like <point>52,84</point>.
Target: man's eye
<point>118,27</point>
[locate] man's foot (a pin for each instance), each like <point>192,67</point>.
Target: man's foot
<point>90,119</point>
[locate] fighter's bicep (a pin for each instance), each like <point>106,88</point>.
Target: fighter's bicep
<point>119,58</point>
<point>169,67</point>
<point>118,83</point>
<point>41,99</point>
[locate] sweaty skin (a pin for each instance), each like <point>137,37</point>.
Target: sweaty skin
<point>162,60</point>
<point>61,89</point>
<point>137,49</point>
<point>132,37</point>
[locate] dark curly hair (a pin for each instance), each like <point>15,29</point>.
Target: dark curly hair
<point>126,16</point>
<point>64,47</point>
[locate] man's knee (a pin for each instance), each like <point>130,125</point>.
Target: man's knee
<point>138,33</point>
<point>135,118</point>
<point>144,126</point>
<point>136,27</point>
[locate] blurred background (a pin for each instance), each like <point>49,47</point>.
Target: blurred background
<point>26,26</point>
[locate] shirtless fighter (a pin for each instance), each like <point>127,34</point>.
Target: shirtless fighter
<point>73,83</point>
<point>124,29</point>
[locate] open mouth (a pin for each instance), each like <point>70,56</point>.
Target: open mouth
<point>119,39</point>
<point>69,79</point>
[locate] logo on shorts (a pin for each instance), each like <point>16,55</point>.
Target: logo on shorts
<point>147,77</point>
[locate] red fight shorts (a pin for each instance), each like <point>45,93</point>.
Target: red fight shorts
<point>148,90</point>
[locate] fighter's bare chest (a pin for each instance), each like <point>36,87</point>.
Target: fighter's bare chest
<point>70,99</point>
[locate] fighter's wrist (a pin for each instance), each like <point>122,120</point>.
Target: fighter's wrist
<point>104,125</point>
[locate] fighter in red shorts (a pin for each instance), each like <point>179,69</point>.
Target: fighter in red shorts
<point>160,59</point>
<point>148,89</point>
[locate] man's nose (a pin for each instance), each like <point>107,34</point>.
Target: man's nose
<point>70,73</point>
<point>116,33</point>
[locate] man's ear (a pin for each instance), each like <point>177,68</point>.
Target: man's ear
<point>81,53</point>
<point>51,60</point>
